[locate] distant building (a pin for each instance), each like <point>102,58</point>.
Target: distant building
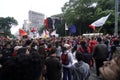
<point>35,19</point>
<point>26,25</point>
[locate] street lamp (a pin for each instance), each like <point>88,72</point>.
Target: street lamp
<point>116,16</point>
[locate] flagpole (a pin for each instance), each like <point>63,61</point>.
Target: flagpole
<point>116,18</point>
<point>100,29</point>
<point>65,32</point>
<point>66,29</point>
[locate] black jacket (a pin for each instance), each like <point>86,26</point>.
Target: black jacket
<point>100,51</point>
<point>53,68</point>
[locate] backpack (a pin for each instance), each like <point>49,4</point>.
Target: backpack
<point>85,54</point>
<point>64,58</point>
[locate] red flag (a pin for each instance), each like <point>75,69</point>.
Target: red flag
<point>33,29</point>
<point>93,27</point>
<point>22,32</point>
<point>46,23</point>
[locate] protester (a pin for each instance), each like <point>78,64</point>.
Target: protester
<point>80,70</point>
<point>22,67</point>
<point>74,50</point>
<point>115,48</point>
<point>111,69</point>
<point>57,53</point>
<point>85,50</point>
<point>53,66</point>
<point>100,53</point>
<point>6,52</point>
<point>59,49</point>
<point>16,48</point>
<point>68,62</point>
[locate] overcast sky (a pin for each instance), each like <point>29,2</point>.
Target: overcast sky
<point>19,8</point>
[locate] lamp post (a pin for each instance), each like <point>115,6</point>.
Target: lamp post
<point>116,17</point>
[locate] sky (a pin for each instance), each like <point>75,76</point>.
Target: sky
<point>19,9</point>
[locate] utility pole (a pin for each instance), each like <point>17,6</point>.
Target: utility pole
<point>116,17</point>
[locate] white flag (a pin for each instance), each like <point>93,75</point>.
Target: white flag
<point>53,24</point>
<point>100,22</point>
<point>53,33</point>
<point>66,27</point>
<point>43,34</point>
<point>47,34</point>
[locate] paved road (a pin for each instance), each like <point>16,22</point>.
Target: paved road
<point>93,75</point>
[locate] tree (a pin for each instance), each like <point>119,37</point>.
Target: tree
<point>6,24</point>
<point>40,30</point>
<point>84,12</point>
<point>79,13</point>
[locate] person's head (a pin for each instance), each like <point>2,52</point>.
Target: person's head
<point>83,43</point>
<point>7,45</point>
<point>22,67</point>
<point>41,50</point>
<point>53,51</point>
<point>111,69</point>
<point>21,51</point>
<point>79,56</point>
<point>99,39</point>
<point>27,43</point>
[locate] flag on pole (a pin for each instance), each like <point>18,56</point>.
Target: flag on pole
<point>53,33</point>
<point>22,32</point>
<point>100,22</point>
<point>47,33</point>
<point>34,29</point>
<point>66,27</point>
<point>46,23</point>
<point>73,29</point>
<point>53,23</point>
<point>43,34</point>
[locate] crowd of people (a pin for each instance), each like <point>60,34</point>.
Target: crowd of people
<point>61,58</point>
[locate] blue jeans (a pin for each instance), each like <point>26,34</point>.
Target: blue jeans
<point>67,74</point>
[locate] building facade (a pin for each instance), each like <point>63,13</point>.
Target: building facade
<point>35,19</point>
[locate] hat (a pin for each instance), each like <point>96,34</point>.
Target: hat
<point>66,45</point>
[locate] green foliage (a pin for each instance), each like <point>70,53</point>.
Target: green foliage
<point>40,30</point>
<point>84,12</point>
<point>6,24</point>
